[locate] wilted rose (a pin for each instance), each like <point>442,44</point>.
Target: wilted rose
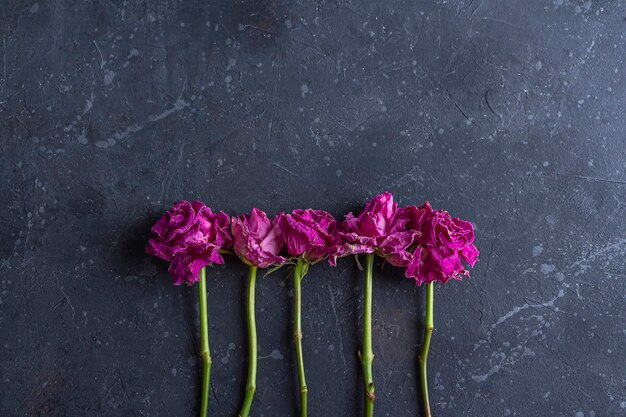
<point>190,236</point>
<point>382,227</point>
<point>257,239</point>
<point>443,242</point>
<point>310,233</point>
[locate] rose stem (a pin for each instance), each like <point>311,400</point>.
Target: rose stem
<point>252,348</point>
<point>298,274</point>
<point>367,356</point>
<point>205,353</point>
<point>430,293</point>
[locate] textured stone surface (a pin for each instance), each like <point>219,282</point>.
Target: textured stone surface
<point>508,113</point>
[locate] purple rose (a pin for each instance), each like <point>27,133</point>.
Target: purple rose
<point>443,242</point>
<point>310,233</point>
<point>257,239</point>
<point>381,227</point>
<point>190,236</point>
<point>396,246</point>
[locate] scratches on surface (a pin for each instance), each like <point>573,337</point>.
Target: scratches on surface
<point>476,9</point>
<point>102,60</point>
<point>489,105</point>
<point>276,164</point>
<point>274,103</point>
<point>515,353</point>
<point>338,325</point>
<point>170,174</point>
<point>65,296</point>
<point>469,120</point>
<point>525,306</point>
<point>178,106</point>
<point>595,179</point>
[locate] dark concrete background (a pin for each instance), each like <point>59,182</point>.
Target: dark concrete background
<point>506,113</point>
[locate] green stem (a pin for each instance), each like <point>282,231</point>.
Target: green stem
<point>367,356</point>
<point>429,324</point>
<point>252,348</point>
<point>298,274</point>
<point>205,353</point>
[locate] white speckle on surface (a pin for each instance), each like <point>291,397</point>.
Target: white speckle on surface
<point>538,66</point>
<point>228,79</point>
<point>276,355</point>
<point>179,105</point>
<point>546,163</point>
<point>304,90</point>
<point>483,378</point>
<point>622,404</point>
<point>34,8</point>
<point>546,268</point>
<point>331,347</point>
<point>338,173</point>
<point>88,105</point>
<point>441,131</point>
<point>173,371</point>
<point>288,24</point>
<point>537,250</point>
<point>108,77</point>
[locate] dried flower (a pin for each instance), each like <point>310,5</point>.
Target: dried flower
<point>190,236</point>
<point>310,234</point>
<point>382,227</point>
<point>257,239</point>
<point>443,242</point>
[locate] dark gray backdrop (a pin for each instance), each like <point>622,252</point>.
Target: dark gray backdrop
<point>507,113</point>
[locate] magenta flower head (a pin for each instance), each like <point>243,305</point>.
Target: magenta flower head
<point>443,242</point>
<point>190,236</point>
<point>310,234</point>
<point>382,227</point>
<point>257,239</point>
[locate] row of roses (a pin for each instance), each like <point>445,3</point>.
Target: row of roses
<point>429,244</point>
